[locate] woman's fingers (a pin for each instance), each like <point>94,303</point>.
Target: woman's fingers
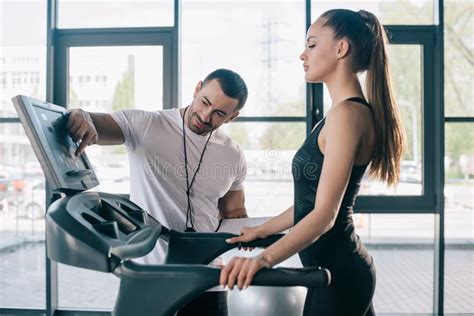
<point>240,271</point>
<point>232,276</point>
<point>246,234</point>
<point>225,272</point>
<point>234,240</point>
<point>242,276</point>
<point>252,270</point>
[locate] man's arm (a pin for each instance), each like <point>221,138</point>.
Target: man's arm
<point>93,128</point>
<point>232,205</point>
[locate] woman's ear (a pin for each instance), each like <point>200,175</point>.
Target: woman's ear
<point>342,48</point>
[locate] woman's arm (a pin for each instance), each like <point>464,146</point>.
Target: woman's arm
<point>272,226</point>
<point>278,223</point>
<point>343,135</point>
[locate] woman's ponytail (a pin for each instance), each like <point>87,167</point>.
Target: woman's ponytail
<point>390,140</point>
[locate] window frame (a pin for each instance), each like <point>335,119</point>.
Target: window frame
<point>425,203</point>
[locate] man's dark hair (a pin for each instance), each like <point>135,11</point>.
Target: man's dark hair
<point>231,84</point>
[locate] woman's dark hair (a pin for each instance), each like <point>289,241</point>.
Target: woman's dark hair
<point>368,52</point>
<point>231,84</point>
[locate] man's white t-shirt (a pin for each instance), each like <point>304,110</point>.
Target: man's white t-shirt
<point>157,176</point>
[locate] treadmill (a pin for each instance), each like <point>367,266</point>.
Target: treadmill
<point>103,232</point>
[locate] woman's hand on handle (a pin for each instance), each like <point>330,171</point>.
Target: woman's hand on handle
<point>241,271</point>
<point>247,234</point>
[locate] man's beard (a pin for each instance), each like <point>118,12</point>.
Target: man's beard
<point>207,127</point>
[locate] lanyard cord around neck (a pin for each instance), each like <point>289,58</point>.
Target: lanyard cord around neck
<point>189,210</point>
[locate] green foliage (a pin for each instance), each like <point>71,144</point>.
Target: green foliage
<point>284,135</point>
<point>459,139</point>
<point>239,134</point>
<point>124,93</point>
<point>73,101</point>
<point>459,59</point>
<point>458,74</point>
<point>405,12</point>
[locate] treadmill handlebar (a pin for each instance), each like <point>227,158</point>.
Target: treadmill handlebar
<point>207,276</point>
<point>139,245</point>
<point>177,284</point>
<point>261,242</point>
<point>311,277</point>
<point>188,247</point>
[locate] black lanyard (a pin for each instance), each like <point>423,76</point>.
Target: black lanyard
<point>190,209</point>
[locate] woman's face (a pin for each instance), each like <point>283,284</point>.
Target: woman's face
<point>320,55</point>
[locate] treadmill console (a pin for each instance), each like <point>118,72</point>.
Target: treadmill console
<point>45,126</point>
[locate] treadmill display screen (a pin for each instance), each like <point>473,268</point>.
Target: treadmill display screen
<point>62,146</point>
<point>45,126</point>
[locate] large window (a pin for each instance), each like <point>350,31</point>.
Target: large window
<point>394,12</point>
<point>107,79</point>
<point>22,187</point>
<point>114,78</point>
<point>459,154</point>
<point>100,73</point>
<point>124,13</point>
<point>265,51</point>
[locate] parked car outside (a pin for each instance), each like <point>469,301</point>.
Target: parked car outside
<point>32,199</point>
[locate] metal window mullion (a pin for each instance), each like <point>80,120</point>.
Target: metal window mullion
<point>51,267</point>
<point>459,119</point>
<point>115,30</point>
<point>22,311</point>
<point>170,75</point>
<point>429,114</point>
<point>439,247</point>
<point>114,39</point>
<point>9,120</point>
<point>176,57</point>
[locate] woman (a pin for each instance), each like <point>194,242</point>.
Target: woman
<point>328,168</point>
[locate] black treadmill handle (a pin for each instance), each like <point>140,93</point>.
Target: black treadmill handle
<point>311,277</point>
<point>206,277</point>
<point>262,242</point>
<point>202,248</point>
<point>139,245</point>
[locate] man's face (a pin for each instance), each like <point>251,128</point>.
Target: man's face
<point>210,108</point>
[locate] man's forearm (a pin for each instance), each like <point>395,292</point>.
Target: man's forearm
<point>237,213</point>
<point>108,130</point>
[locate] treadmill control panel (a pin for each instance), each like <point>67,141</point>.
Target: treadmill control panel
<point>45,126</point>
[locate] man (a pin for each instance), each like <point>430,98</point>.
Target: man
<point>183,170</point>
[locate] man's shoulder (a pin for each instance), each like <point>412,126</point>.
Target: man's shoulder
<point>225,140</point>
<point>168,112</point>
<point>159,115</point>
<point>137,113</point>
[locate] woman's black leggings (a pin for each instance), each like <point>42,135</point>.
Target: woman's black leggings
<point>350,293</point>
